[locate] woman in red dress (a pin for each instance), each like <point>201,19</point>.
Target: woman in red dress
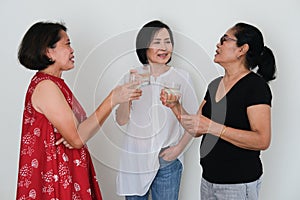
<point>48,169</point>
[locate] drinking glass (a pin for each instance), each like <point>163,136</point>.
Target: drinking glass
<point>140,74</point>
<point>172,90</point>
<point>144,72</point>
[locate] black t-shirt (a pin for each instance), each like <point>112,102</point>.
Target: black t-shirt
<point>223,162</point>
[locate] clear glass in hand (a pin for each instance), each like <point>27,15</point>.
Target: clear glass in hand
<point>144,72</point>
<point>172,91</point>
<point>140,74</point>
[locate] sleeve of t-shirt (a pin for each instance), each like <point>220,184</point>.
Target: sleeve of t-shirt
<point>259,93</point>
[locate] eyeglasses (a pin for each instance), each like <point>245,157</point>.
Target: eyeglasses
<point>226,38</point>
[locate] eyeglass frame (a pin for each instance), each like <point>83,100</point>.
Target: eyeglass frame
<point>226,38</point>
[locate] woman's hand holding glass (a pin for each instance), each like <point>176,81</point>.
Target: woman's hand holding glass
<point>170,94</point>
<point>126,93</point>
<point>140,74</point>
<point>168,99</point>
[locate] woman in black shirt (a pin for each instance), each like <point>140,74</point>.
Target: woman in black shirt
<point>235,116</point>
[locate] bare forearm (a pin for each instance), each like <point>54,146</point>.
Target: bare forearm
<point>92,124</point>
<point>178,110</point>
<point>252,140</point>
<point>184,141</point>
<point>122,113</point>
<point>259,137</point>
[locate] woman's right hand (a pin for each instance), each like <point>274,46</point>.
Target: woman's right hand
<point>125,93</point>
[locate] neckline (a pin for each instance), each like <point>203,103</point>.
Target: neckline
<point>39,73</point>
<point>157,78</point>
<point>228,92</point>
<point>164,73</point>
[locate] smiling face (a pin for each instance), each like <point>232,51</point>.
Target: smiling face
<point>62,53</point>
<point>160,48</point>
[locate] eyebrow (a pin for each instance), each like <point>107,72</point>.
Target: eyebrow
<point>160,39</point>
<point>228,35</point>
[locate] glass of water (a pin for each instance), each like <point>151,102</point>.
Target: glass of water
<point>144,72</point>
<point>140,74</point>
<point>172,91</point>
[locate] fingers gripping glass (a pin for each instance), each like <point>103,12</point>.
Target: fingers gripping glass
<point>226,38</point>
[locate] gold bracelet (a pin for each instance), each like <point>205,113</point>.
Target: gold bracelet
<point>223,131</point>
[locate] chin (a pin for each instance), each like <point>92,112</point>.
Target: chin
<point>69,68</point>
<point>216,60</point>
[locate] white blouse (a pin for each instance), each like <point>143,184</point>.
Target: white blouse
<point>152,126</point>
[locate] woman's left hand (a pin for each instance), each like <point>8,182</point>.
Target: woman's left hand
<point>168,100</point>
<point>170,153</point>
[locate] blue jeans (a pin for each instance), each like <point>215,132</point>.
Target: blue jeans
<point>243,191</point>
<point>165,185</point>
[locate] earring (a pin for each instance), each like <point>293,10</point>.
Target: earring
<point>50,60</point>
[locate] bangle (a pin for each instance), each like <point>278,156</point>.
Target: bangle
<point>223,131</point>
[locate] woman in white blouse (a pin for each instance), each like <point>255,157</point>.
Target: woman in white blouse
<point>154,142</point>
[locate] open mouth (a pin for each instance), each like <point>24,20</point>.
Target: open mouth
<point>163,55</point>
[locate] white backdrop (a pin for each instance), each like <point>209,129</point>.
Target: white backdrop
<point>102,34</point>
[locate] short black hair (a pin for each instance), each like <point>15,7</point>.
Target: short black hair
<point>39,37</point>
<point>145,36</point>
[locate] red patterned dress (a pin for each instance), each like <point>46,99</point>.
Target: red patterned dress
<point>48,171</point>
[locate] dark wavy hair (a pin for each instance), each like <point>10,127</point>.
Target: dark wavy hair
<point>39,37</point>
<point>258,54</point>
<point>145,36</point>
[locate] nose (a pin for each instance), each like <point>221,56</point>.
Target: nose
<point>163,46</point>
<point>72,50</point>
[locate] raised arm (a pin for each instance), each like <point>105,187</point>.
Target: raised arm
<point>122,113</point>
<point>59,113</point>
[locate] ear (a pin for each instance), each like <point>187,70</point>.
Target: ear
<point>244,49</point>
<point>49,53</point>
